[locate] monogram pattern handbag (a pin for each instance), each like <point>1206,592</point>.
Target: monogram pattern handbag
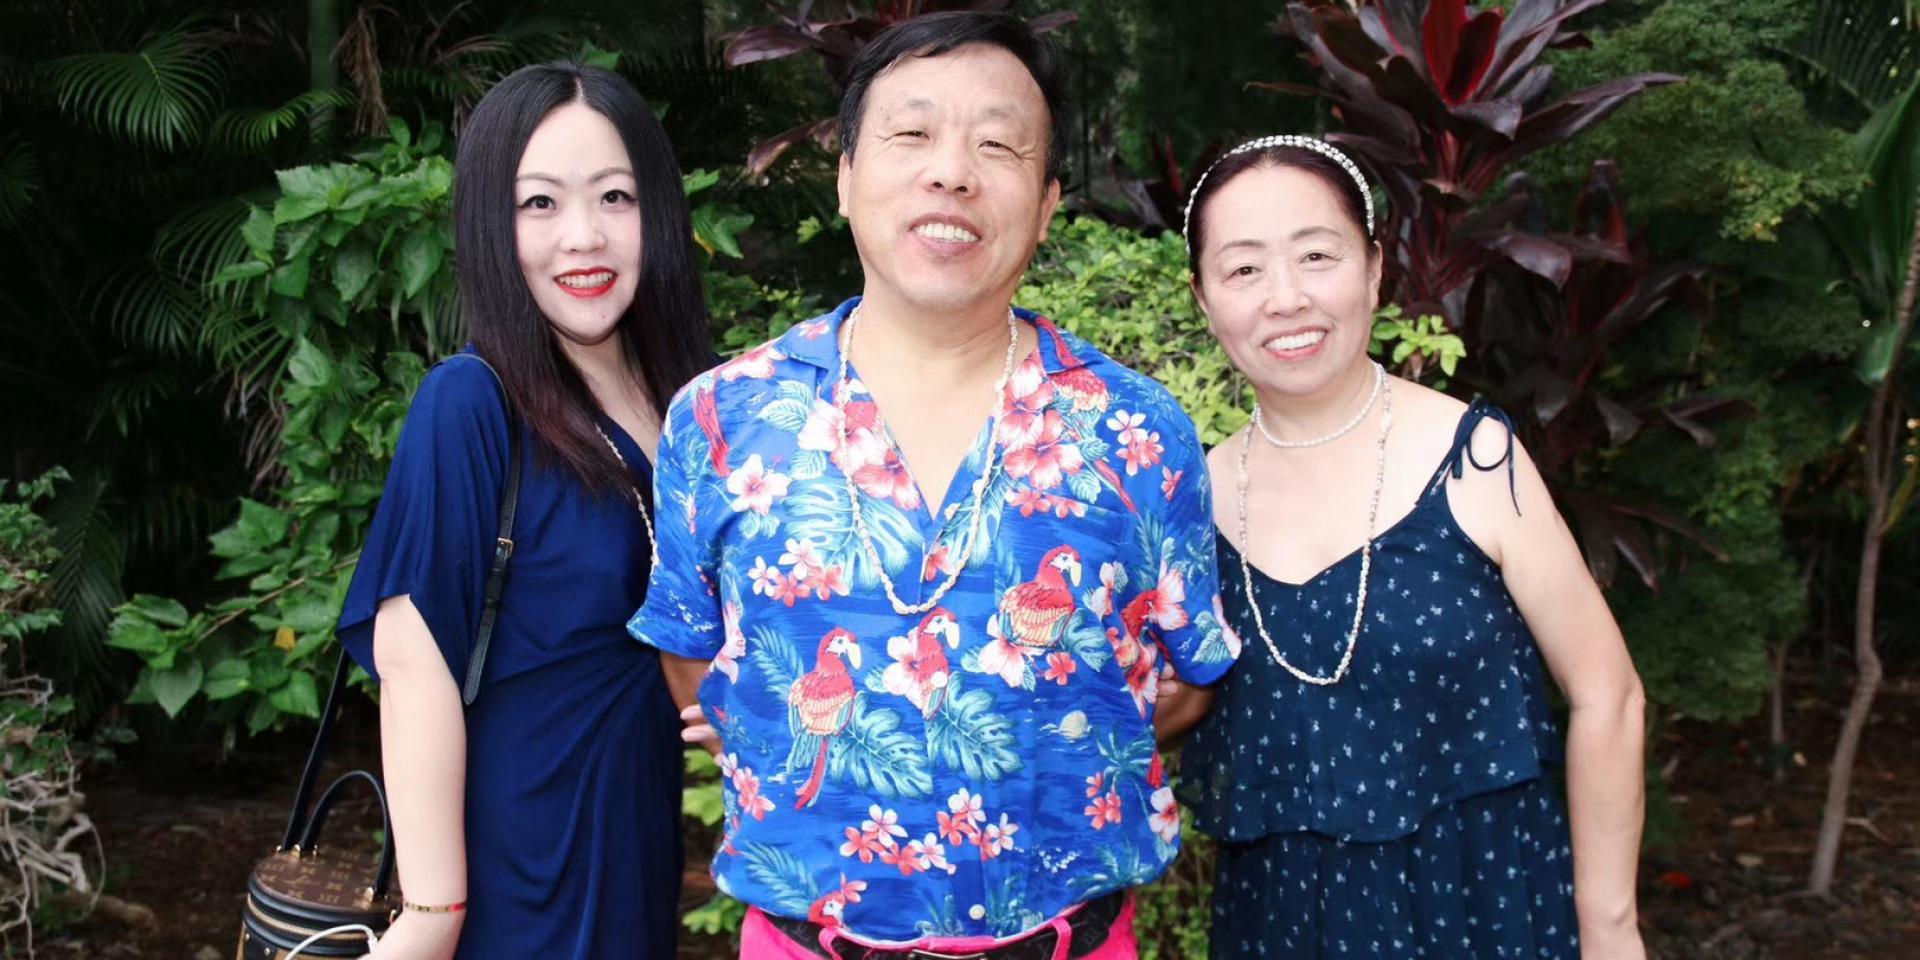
<point>307,899</point>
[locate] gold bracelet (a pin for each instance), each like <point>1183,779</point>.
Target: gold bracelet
<point>427,908</point>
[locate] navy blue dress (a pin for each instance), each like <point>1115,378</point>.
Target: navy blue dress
<point>573,751</point>
<point>1406,811</point>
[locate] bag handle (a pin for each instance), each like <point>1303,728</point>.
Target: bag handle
<point>382,877</point>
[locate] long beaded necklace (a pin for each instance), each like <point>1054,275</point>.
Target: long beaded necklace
<point>840,392</point>
<point>639,502</point>
<point>1381,389</point>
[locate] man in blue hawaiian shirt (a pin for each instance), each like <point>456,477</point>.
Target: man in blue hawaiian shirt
<point>922,558</point>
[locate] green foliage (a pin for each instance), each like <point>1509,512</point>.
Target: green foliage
<point>344,286</point>
<point>38,773</point>
<point>1126,293</point>
<point>1735,144</point>
<point>160,94</point>
<point>26,554</point>
<point>1425,340</point>
<point>1173,915</point>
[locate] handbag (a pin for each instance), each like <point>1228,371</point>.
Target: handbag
<point>309,900</point>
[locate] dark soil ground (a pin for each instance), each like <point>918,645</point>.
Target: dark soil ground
<point>1718,884</point>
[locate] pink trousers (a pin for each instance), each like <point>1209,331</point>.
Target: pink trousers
<point>760,940</point>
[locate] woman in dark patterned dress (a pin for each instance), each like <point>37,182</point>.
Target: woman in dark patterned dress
<point>1380,765</point>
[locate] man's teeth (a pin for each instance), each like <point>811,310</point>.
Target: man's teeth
<point>586,281</point>
<point>1297,341</point>
<point>945,231</point>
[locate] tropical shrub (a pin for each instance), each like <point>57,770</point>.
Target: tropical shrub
<point>43,832</point>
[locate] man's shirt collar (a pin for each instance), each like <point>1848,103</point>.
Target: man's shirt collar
<point>817,342</point>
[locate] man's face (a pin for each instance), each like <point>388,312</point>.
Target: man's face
<point>946,189</point>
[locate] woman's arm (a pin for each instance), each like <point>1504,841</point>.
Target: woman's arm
<point>1587,656</point>
<point>423,744</point>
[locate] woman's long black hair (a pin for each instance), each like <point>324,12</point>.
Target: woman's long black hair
<point>664,331</point>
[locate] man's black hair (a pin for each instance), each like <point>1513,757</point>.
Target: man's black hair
<point>937,33</point>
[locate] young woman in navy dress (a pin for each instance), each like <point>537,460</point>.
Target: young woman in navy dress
<point>1379,767</point>
<point>543,819</point>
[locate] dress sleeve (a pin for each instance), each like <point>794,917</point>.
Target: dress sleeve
<point>433,533</point>
<point>681,614</point>
<point>1196,641</point>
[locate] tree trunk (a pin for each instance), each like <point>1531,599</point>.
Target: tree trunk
<point>1881,435</point>
<point>1777,715</point>
<point>323,36</point>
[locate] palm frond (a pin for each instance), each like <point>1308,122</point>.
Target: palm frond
<point>1868,49</point>
<point>19,180</point>
<point>158,95</point>
<point>86,586</point>
<point>127,397</point>
<point>203,240</point>
<point>147,309</point>
<point>252,130</point>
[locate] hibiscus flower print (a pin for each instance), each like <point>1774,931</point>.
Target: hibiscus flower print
<point>889,480</point>
<point>755,488</point>
<point>963,816</point>
<point>997,838</point>
<point>755,364</point>
<point>764,577</point>
<point>1029,394</point>
<point>801,557</point>
<point>1060,666</point>
<point>930,854</point>
<point>1170,481</point>
<point>862,845</point>
<point>1127,426</point>
<point>1104,809</point>
<point>1113,578</point>
<point>748,788</point>
<point>1003,659</point>
<point>939,563</point>
<point>727,661</point>
<point>1142,454</point>
<point>1166,815</point>
<point>1048,458</point>
<point>826,581</point>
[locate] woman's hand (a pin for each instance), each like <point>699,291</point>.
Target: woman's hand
<point>697,729</point>
<point>420,936</point>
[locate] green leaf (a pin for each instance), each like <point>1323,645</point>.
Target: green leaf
<point>258,233</point>
<point>313,616</point>
<point>353,268</point>
<point>264,525</point>
<point>716,229</point>
<point>245,270</point>
<point>309,366</point>
<point>420,256</point>
<point>290,280</point>
<point>228,678</point>
<point>136,633</point>
<point>261,715</point>
<point>160,94</point>
<point>173,688</point>
<point>165,612</point>
<point>298,697</point>
<point>397,129</point>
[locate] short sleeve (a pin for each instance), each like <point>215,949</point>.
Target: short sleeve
<point>1197,642</point>
<point>681,614</point>
<point>433,532</point>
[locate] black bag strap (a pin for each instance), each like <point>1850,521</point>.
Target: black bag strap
<point>476,664</point>
<point>296,821</point>
<point>502,545</point>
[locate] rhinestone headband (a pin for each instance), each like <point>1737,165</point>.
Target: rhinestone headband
<point>1320,147</point>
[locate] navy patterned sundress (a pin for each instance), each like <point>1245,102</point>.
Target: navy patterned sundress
<point>1408,810</point>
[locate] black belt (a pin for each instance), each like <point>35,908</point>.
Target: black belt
<point>1088,925</point>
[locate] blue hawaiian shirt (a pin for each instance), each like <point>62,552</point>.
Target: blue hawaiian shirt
<point>976,769</point>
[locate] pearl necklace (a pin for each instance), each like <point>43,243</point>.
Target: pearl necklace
<point>1366,549</point>
<point>840,392</point>
<point>1379,379</point>
<point>639,502</point>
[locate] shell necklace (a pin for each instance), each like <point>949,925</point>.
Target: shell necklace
<point>639,502</point>
<point>1381,389</point>
<point>844,387</point>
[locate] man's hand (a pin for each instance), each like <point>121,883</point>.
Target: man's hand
<point>697,729</point>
